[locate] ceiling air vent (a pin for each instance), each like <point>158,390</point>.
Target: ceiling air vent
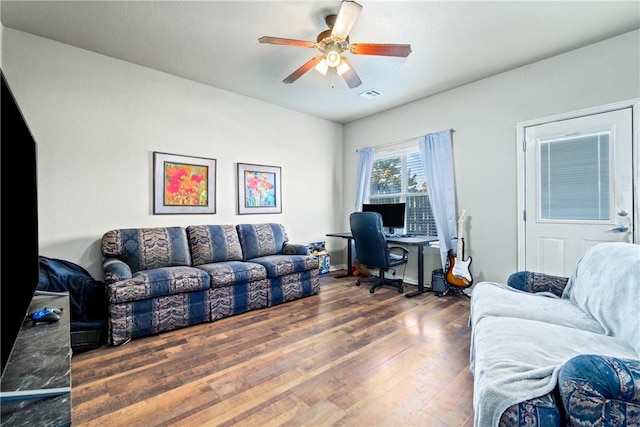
<point>370,94</point>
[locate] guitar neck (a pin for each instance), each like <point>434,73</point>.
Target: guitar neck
<point>460,250</point>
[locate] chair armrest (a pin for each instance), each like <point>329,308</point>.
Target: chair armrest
<point>115,270</point>
<point>399,251</point>
<point>529,281</point>
<point>600,390</point>
<point>294,249</point>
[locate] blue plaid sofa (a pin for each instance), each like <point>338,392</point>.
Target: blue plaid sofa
<point>560,351</point>
<point>164,278</point>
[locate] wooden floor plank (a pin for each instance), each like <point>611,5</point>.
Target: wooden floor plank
<point>345,357</point>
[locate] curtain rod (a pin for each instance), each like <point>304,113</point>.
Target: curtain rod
<point>404,141</point>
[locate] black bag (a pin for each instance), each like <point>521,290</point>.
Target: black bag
<point>87,301</point>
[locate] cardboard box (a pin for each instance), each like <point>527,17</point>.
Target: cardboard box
<point>317,247</point>
<point>324,263</point>
<point>319,250</point>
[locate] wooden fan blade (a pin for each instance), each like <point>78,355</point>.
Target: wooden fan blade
<point>300,71</point>
<point>350,76</point>
<point>380,49</point>
<point>347,16</point>
<point>286,42</point>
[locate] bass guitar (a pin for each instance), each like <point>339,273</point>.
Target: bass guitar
<point>458,273</point>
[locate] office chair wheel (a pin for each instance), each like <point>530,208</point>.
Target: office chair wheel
<point>371,290</point>
<point>400,289</point>
<point>357,282</point>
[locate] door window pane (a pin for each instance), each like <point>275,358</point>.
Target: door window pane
<point>575,177</point>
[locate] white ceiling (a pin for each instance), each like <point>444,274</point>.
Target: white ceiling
<point>216,42</point>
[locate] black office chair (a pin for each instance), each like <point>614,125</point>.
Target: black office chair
<point>372,250</point>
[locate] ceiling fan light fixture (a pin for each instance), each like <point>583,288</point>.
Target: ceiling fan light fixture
<point>322,67</point>
<point>342,67</point>
<point>332,58</point>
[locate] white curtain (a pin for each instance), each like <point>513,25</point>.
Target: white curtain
<point>437,160</point>
<point>365,165</point>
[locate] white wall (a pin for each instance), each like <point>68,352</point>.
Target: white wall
<point>484,115</point>
<point>98,120</point>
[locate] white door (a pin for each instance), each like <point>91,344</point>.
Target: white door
<point>579,187</point>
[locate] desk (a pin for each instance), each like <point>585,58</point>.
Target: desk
<point>419,241</point>
<point>349,238</point>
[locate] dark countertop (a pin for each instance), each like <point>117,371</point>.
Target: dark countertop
<point>41,359</point>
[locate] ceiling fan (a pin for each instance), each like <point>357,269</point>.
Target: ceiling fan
<point>333,42</point>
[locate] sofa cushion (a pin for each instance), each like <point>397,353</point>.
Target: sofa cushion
<point>158,282</point>
<point>260,240</point>
<point>606,285</point>
<point>497,299</point>
<point>148,248</point>
<point>230,273</point>
<point>279,265</point>
<point>214,243</point>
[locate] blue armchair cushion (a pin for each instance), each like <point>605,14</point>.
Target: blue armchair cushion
<point>158,282</point>
<point>279,265</point>
<point>214,243</point>
<point>233,272</point>
<point>260,240</point>
<point>148,248</point>
<point>601,390</point>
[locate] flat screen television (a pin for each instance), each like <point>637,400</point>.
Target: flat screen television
<point>392,214</point>
<point>19,262</point>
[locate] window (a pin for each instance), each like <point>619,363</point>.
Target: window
<point>399,177</point>
<point>575,177</point>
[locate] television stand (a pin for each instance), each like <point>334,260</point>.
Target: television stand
<point>36,382</point>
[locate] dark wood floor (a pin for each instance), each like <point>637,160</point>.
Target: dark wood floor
<point>345,357</point>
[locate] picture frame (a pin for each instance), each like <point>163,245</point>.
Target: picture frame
<point>183,184</point>
<point>259,189</point>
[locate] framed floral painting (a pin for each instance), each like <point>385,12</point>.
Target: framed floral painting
<point>259,189</point>
<point>183,184</point>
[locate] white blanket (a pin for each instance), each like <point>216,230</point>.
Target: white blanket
<point>515,357</point>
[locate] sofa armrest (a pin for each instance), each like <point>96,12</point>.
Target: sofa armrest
<point>600,390</point>
<point>529,281</point>
<point>294,249</point>
<point>115,270</point>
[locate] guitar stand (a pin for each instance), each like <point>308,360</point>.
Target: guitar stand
<point>452,290</point>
